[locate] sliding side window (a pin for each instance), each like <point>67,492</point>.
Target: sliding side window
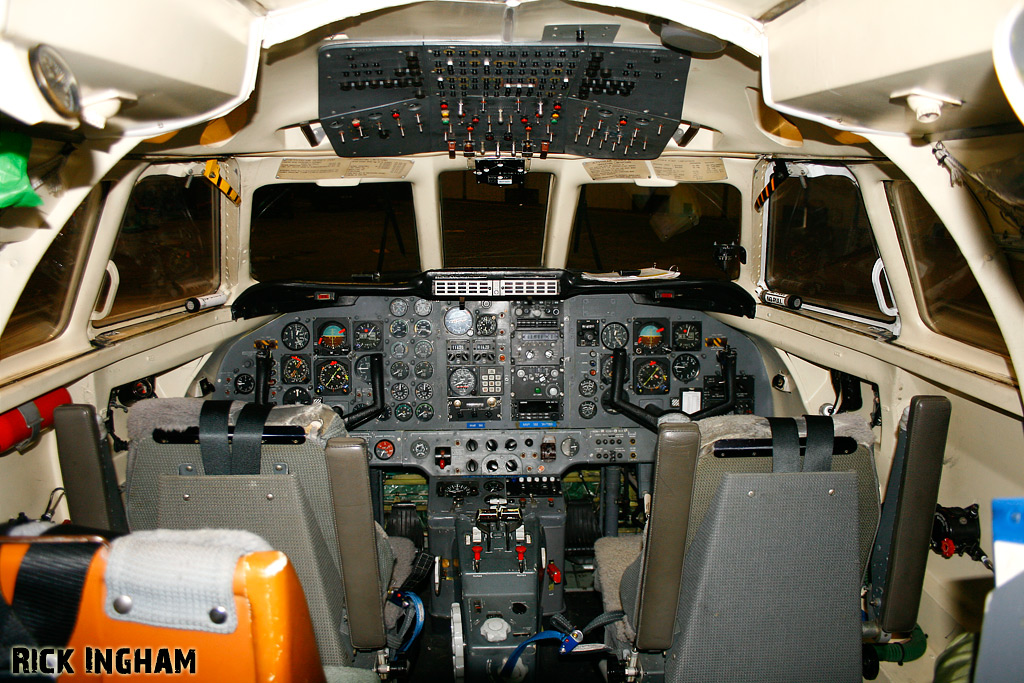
<point>168,249</point>
<point>820,247</point>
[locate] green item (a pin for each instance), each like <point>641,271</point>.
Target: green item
<point>15,187</point>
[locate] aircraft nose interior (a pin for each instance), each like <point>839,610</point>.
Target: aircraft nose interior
<point>511,340</point>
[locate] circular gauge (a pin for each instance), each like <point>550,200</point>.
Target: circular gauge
<point>588,387</point>
<point>494,486</point>
<point>403,412</point>
<point>422,328</point>
<point>462,382</point>
<point>399,350</point>
<point>333,337</point>
<point>686,336</point>
<point>398,328</point>
<point>420,448</point>
<point>570,446</point>
<point>399,370</point>
<point>55,80</point>
<point>606,370</point>
<point>486,325</point>
<point>399,307</point>
<point>366,336</point>
<point>295,336</point>
<point>423,348</point>
<point>614,336</point>
<point>588,409</point>
<point>424,411</point>
<point>400,391</point>
<point>458,320</point>
<point>385,449</point>
<point>363,368</point>
<point>296,395</point>
<point>422,307</point>
<point>245,384</point>
<point>424,391</point>
<point>294,370</point>
<point>686,367</point>
<point>333,376</point>
<point>650,336</point>
<point>423,370</point>
<point>456,489</point>
<point>385,414</point>
<point>651,378</point>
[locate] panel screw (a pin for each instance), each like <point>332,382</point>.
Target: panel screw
<point>831,492</point>
<point>186,497</point>
<point>279,467</point>
<point>218,615</point>
<point>188,468</point>
<point>123,604</point>
<point>270,496</point>
<point>750,494</point>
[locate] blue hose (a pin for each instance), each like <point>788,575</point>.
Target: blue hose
<point>400,598</point>
<point>569,642</point>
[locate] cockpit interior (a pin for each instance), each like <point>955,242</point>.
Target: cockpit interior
<point>511,340</point>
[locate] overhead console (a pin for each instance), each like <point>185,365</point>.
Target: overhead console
<point>600,101</point>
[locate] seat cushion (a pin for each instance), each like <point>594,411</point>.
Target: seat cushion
<point>612,555</point>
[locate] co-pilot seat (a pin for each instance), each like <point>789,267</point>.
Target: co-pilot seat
<point>289,474</point>
<point>750,567</point>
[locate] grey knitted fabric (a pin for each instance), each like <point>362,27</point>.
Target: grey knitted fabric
<point>175,578</point>
<point>612,556</point>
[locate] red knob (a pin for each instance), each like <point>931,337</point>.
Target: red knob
<point>521,552</point>
<point>554,572</point>
<point>948,548</point>
<point>477,549</point>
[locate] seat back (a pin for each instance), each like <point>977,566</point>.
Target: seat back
<point>240,608</point>
<point>290,501</point>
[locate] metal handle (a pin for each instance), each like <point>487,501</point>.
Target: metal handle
<point>877,273</point>
<point>108,303</point>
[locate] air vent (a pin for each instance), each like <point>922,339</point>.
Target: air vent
<point>529,287</point>
<point>457,288</point>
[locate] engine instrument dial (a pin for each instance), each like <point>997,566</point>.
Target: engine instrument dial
<point>422,328</point>
<point>420,448</point>
<point>686,367</point>
<point>424,411</point>
<point>588,387</point>
<point>367,336</point>
<point>399,370</point>
<point>422,307</point>
<point>403,412</point>
<point>333,376</point>
<point>423,348</point>
<point>398,328</point>
<point>295,336</point>
<point>588,409</point>
<point>462,382</point>
<point>458,320</point>
<point>400,391</point>
<point>614,336</point>
<point>399,307</point>
<point>384,450</point>
<point>424,391</point>
<point>423,370</point>
<point>399,350</point>
<point>294,370</point>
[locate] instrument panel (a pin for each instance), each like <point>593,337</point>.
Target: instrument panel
<point>489,387</point>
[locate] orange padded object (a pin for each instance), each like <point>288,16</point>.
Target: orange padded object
<point>273,642</point>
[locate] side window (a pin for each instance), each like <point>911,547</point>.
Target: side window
<point>44,307</point>
<point>168,249</point>
<point>948,297</point>
<point>820,247</point>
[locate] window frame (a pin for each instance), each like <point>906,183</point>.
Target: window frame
<point>183,170</point>
<point>879,277</point>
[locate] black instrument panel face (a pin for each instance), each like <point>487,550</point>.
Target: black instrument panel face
<point>601,101</point>
<point>466,378</point>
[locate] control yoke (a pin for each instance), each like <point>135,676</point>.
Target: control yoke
<point>375,409</point>
<point>615,396</point>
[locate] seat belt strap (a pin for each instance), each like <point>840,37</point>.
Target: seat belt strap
<point>820,443</point>
<point>422,568</point>
<point>785,444</point>
<point>48,590</point>
<point>213,437</point>
<point>248,438</point>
